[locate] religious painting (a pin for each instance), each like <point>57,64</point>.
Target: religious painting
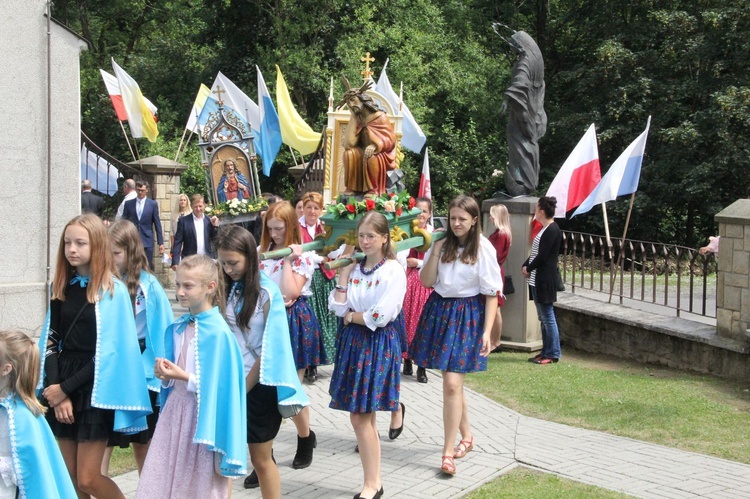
<point>230,175</point>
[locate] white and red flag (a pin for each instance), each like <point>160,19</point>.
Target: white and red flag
<point>113,89</point>
<point>578,176</point>
<point>425,189</point>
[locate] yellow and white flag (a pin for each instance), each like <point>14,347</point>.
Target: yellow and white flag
<point>140,119</point>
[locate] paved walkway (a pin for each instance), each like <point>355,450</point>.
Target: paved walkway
<point>504,440</point>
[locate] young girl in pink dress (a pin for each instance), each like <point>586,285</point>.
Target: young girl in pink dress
<point>416,293</point>
<point>200,438</point>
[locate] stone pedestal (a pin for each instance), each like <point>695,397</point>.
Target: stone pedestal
<point>521,328</point>
<point>165,189</point>
<point>732,291</point>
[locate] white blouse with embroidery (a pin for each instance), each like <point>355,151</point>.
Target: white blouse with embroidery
<point>7,473</point>
<point>461,280</point>
<point>378,296</point>
<point>304,265</point>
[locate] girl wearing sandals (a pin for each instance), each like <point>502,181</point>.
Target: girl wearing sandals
<point>455,327</point>
<point>366,376</point>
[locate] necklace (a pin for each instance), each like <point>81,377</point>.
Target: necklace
<point>376,267</point>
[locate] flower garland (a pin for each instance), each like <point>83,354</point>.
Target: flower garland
<point>235,207</point>
<point>385,203</point>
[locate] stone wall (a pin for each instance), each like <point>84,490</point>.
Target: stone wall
<point>732,287</point>
<point>599,327</point>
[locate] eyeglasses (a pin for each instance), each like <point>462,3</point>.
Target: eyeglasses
<point>368,237</point>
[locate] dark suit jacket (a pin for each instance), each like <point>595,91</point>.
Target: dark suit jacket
<point>185,240</point>
<point>149,218</point>
<point>91,203</point>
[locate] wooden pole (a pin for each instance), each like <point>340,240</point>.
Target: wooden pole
<point>412,242</point>
<point>126,139</point>
<point>622,245</point>
<point>179,146</point>
<point>606,231</point>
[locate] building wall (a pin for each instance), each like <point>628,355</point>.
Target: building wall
<point>24,152</point>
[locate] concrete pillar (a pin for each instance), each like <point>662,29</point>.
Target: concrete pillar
<point>521,328</point>
<point>732,291</point>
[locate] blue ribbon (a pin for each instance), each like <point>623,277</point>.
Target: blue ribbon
<point>83,280</point>
<point>181,323</point>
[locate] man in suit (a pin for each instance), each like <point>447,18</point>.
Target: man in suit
<point>194,233</point>
<point>90,202</point>
<point>144,213</point>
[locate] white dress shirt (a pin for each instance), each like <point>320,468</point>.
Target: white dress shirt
<point>200,235</point>
<point>121,208</point>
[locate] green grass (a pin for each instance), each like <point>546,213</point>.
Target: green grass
<point>693,412</point>
<point>122,461</point>
<point>529,484</point>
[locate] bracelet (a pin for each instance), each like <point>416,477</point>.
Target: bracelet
<point>341,288</point>
<point>350,317</point>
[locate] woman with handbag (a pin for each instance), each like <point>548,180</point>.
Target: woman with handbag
<point>501,239</point>
<point>540,270</point>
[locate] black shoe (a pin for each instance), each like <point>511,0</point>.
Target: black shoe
<point>535,358</point>
<point>393,433</point>
<point>408,370</point>
<point>251,481</point>
<point>311,374</point>
<point>421,375</point>
<point>377,495</point>
<point>304,456</point>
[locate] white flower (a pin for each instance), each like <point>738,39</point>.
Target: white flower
<point>208,210</point>
<point>389,206</point>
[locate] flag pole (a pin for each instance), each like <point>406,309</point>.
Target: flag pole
<point>606,231</point>
<point>179,146</point>
<point>126,139</point>
<point>184,148</point>
<point>622,245</point>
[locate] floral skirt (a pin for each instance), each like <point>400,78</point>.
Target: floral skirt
<point>321,287</point>
<point>449,335</point>
<point>367,372</point>
<point>304,331</point>
<point>414,300</point>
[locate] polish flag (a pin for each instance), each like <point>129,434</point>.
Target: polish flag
<point>425,188</point>
<point>578,176</point>
<point>113,89</point>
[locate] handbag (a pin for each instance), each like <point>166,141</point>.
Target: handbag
<point>508,288</point>
<point>559,284</point>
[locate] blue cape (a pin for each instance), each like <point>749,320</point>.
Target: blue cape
<point>159,317</point>
<point>220,382</point>
<point>277,366</point>
<point>37,462</point>
<point>119,383</point>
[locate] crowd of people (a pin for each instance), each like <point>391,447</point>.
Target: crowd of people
<point>188,394</point>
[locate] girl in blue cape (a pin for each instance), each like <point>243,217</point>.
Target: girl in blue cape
<point>257,317</point>
<point>201,435</point>
<point>153,314</point>
<point>94,380</point>
<point>30,461</point>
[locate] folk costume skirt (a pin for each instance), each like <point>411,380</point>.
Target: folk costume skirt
<point>449,335</point>
<point>367,372</point>
<point>321,288</point>
<point>414,300</point>
<point>304,331</point>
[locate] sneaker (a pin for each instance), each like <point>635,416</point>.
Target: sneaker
<point>535,358</point>
<point>544,361</point>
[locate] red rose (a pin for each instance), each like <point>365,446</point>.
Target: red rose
<point>351,209</point>
<point>391,195</point>
<point>398,212</point>
<point>369,204</point>
<point>412,202</point>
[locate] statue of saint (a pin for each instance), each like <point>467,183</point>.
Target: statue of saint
<point>369,143</point>
<point>527,121</point>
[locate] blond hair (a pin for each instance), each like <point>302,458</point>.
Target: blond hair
<point>18,350</point>
<point>101,266</point>
<point>208,271</point>
<point>501,219</point>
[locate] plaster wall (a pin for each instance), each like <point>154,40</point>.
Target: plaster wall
<point>23,163</point>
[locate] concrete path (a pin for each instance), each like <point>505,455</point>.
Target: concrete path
<point>504,439</point>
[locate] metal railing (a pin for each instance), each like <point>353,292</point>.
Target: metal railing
<point>666,275</point>
<point>313,178</point>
